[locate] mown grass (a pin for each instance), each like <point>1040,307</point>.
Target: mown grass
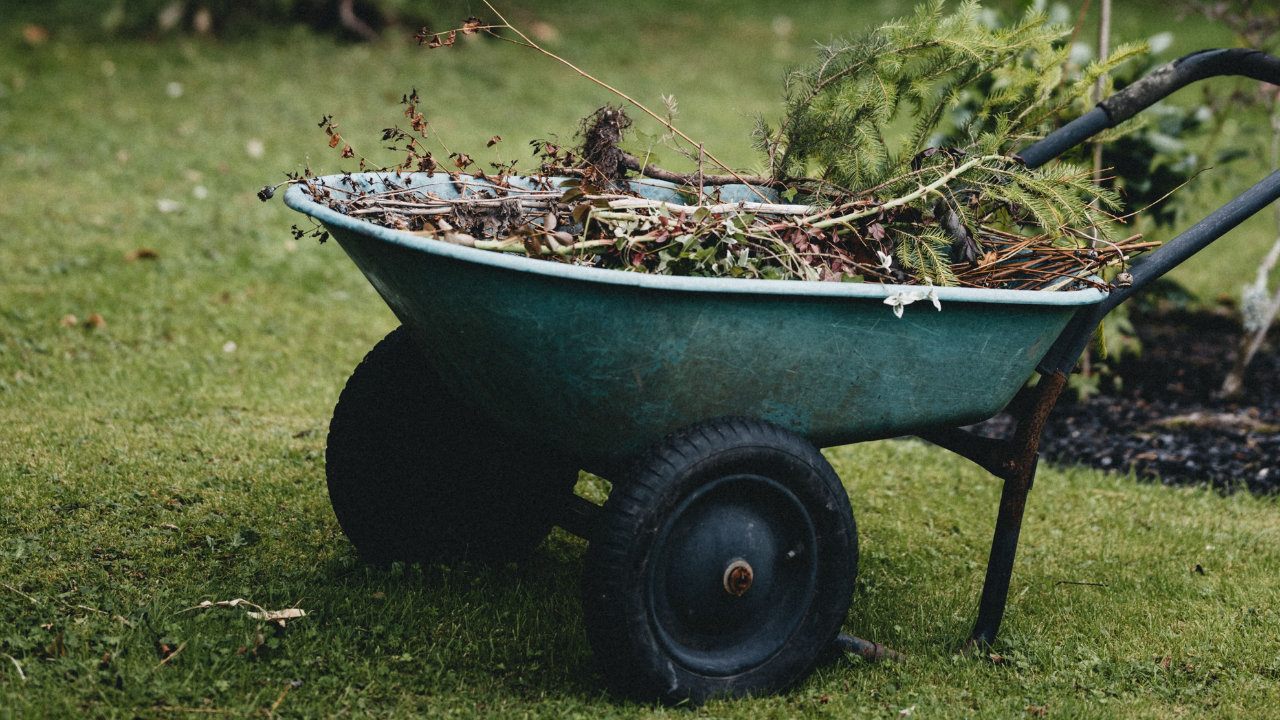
<point>110,434</point>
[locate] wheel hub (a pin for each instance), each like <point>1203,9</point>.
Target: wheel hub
<point>737,578</point>
<point>733,572</point>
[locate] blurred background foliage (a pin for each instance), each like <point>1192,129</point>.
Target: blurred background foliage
<point>264,69</point>
<point>168,353</point>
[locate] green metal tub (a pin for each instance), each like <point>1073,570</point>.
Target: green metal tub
<point>608,362</point>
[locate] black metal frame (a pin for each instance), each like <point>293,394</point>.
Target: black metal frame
<point>1014,460</point>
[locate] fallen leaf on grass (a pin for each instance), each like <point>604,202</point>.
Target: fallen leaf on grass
<point>69,321</point>
<point>167,526</point>
<point>544,32</point>
<point>142,254</point>
<point>1037,710</point>
<point>1165,661</point>
<point>57,648</point>
<point>34,34</point>
<point>276,616</point>
<point>998,659</point>
<point>95,321</point>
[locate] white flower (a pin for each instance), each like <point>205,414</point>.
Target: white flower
<point>898,300</point>
<point>885,261</point>
<point>932,295</point>
<point>902,298</point>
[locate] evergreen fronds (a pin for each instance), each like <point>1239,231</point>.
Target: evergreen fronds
<point>1005,86</point>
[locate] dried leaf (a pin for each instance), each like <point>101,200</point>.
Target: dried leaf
<point>1037,710</point>
<point>453,36</point>
<point>347,152</point>
<point>334,139</point>
<point>95,321</point>
<point>37,35</point>
<point>472,25</point>
<point>434,43</point>
<point>69,321</point>
<point>493,141</point>
<point>142,254</point>
<point>278,616</point>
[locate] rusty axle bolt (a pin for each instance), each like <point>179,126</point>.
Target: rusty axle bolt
<point>737,578</point>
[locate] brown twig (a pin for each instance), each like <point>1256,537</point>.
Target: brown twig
<point>170,656</point>
<point>533,45</point>
<point>12,588</point>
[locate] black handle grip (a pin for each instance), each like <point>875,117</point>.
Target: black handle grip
<point>1171,77</point>
<point>1157,85</point>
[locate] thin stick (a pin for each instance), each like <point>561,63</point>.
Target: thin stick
<point>700,154</point>
<point>531,44</point>
<point>924,190</point>
<point>33,600</point>
<point>16,665</point>
<point>1075,32</point>
<point>171,656</point>
<point>280,699</point>
<point>1104,40</point>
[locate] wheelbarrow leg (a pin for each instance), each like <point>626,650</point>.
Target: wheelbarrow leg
<point>1014,461</point>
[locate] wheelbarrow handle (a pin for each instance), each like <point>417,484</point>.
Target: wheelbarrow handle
<point>1160,83</point>
<point>1154,87</point>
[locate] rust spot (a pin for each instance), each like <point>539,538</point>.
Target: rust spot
<point>737,578</point>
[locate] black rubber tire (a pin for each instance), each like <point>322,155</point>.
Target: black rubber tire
<point>413,476</point>
<point>657,639</point>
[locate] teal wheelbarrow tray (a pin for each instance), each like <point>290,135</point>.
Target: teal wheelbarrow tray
<point>723,561</point>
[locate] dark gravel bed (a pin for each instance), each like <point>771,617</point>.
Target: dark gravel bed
<point>1163,423</point>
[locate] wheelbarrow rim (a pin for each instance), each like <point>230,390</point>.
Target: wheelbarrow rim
<point>296,198</point>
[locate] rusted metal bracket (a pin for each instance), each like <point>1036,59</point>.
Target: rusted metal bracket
<point>867,650</point>
<point>1013,461</point>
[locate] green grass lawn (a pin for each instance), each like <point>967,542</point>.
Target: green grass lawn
<point>175,454</point>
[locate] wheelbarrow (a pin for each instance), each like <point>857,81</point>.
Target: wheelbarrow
<point>723,562</point>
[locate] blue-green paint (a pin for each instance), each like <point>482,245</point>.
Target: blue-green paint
<point>602,363</point>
